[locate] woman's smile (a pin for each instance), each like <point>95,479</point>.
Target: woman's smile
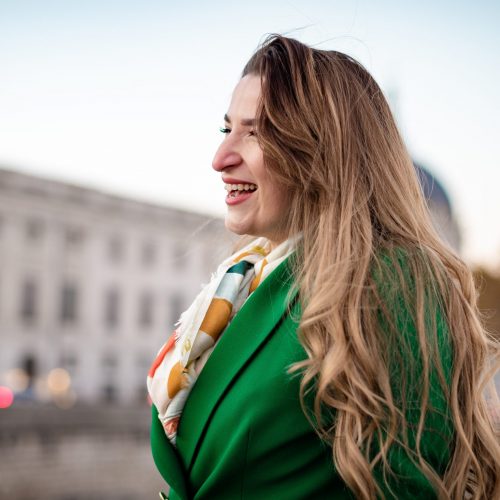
<point>238,190</point>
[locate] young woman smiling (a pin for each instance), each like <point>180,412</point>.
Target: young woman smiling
<point>338,353</point>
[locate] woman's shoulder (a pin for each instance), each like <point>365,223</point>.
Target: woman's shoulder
<point>412,314</point>
<point>403,275</point>
<point>411,305</point>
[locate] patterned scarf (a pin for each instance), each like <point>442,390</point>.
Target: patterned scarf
<point>180,360</point>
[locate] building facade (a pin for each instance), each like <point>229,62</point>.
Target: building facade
<point>91,284</point>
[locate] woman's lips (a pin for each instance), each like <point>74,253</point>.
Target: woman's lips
<point>235,197</point>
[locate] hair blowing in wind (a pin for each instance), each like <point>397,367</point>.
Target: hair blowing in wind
<point>329,137</point>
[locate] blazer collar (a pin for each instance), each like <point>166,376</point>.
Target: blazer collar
<point>250,327</point>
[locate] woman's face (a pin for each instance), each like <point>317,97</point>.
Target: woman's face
<point>256,205</point>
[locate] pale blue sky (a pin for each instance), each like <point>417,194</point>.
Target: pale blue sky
<point>128,96</point>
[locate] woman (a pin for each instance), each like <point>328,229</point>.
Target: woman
<point>349,357</point>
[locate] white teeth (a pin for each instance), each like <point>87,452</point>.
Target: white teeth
<point>240,187</point>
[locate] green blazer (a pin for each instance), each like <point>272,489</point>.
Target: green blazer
<point>243,433</point>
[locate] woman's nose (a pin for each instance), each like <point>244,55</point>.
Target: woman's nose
<point>225,157</point>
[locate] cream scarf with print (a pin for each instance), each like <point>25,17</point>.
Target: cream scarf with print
<point>180,360</point>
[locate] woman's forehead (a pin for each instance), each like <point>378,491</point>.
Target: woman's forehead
<point>244,101</point>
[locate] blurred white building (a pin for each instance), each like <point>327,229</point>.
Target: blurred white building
<point>92,284</point>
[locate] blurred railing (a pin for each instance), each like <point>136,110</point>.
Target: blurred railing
<point>83,453</point>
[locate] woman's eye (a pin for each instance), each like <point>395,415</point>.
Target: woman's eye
<point>226,130</point>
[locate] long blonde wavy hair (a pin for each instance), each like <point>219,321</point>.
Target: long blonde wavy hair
<point>329,138</point>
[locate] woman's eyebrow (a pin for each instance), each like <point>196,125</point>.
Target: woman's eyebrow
<point>247,122</point>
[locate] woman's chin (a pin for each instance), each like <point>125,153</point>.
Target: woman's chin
<point>236,228</point>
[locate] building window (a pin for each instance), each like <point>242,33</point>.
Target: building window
<point>148,253</point>
<point>34,228</point>
<point>73,236</point>
<point>112,308</point>
<point>69,299</point>
<point>143,362</point>
<point>175,307</point>
<point>116,248</point>
<point>69,362</point>
<point>142,393</point>
<point>109,393</point>
<point>146,310</point>
<point>109,368</point>
<point>29,301</point>
<point>29,366</point>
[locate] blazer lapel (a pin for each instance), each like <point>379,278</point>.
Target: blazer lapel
<point>251,326</point>
<point>166,458</point>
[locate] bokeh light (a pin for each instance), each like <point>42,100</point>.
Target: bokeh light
<point>66,400</point>
<point>58,381</point>
<point>17,379</point>
<point>6,397</point>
